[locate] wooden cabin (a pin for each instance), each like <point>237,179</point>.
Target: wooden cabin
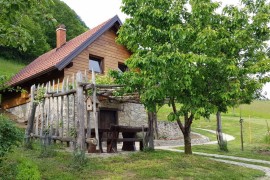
<point>95,50</point>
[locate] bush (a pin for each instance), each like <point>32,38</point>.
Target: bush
<point>27,170</point>
<point>10,135</point>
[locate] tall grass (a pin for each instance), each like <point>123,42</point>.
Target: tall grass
<point>10,67</point>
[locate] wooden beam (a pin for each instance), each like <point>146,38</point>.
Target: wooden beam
<point>80,114</point>
<point>31,118</point>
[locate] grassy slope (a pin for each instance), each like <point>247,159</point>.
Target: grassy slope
<point>142,165</point>
<point>255,115</point>
<point>9,67</point>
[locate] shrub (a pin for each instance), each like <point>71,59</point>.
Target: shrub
<point>10,135</point>
<point>27,170</point>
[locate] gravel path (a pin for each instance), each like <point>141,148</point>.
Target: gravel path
<point>221,158</point>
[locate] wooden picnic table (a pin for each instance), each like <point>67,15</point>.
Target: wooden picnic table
<point>129,137</point>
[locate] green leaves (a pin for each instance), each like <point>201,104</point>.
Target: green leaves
<point>28,27</point>
<point>204,60</point>
<point>10,135</point>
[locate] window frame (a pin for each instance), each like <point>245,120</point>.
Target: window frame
<point>122,64</point>
<point>99,60</point>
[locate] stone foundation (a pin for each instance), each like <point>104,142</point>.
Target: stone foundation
<point>169,130</point>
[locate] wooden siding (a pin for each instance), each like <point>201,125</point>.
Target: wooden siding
<point>104,47</point>
<point>14,99</point>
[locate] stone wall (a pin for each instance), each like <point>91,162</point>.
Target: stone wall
<point>132,114</point>
<point>21,111</point>
<point>169,130</point>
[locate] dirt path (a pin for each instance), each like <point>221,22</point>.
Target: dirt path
<point>227,159</point>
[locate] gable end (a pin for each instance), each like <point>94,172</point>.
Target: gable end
<point>61,65</point>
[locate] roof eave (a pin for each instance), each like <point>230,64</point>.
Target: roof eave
<point>34,76</point>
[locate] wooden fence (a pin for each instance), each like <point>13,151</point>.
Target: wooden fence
<point>58,110</point>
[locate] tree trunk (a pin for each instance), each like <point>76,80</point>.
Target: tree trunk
<point>156,127</point>
<point>187,140</point>
<point>219,128</point>
<point>151,129</point>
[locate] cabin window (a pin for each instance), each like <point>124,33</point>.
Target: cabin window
<point>122,67</point>
<point>95,64</point>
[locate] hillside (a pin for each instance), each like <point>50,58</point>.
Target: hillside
<point>257,109</point>
<point>9,67</point>
<point>35,31</point>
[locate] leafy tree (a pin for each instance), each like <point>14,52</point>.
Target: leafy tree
<point>186,52</point>
<point>63,14</point>
<point>27,28</point>
<point>18,27</point>
<point>9,135</point>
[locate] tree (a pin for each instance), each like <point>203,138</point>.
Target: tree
<point>27,28</point>
<point>63,14</point>
<point>18,27</point>
<point>185,52</point>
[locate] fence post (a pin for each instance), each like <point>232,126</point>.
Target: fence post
<point>80,113</point>
<point>31,118</point>
<point>95,115</point>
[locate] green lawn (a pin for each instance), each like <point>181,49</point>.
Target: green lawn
<point>141,165</point>
<point>9,67</point>
<point>254,133</point>
<point>256,116</point>
<point>257,109</point>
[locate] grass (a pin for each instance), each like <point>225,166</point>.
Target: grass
<point>9,67</point>
<point>141,165</point>
<point>254,130</point>
<point>256,116</point>
<point>257,109</point>
<point>211,136</point>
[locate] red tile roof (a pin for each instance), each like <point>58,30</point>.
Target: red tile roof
<point>54,59</point>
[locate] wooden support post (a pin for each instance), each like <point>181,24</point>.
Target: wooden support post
<point>42,118</point>
<point>95,109</point>
<point>61,110</point>
<point>88,135</point>
<point>47,110</point>
<point>57,111</point>
<point>37,118</point>
<point>31,117</point>
<point>80,114</point>
<point>67,109</point>
<point>51,110</point>
<point>73,111</point>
